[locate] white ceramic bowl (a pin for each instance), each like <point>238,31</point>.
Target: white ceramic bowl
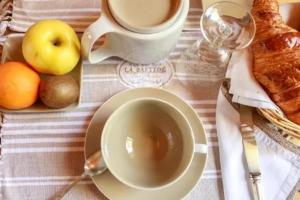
<point>147,144</point>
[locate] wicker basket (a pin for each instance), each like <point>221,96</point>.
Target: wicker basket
<point>290,130</point>
<point>285,129</point>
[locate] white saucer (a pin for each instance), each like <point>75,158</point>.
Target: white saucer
<point>115,190</point>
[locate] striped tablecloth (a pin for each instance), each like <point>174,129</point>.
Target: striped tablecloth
<point>42,153</point>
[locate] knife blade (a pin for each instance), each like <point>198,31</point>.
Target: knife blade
<point>251,151</point>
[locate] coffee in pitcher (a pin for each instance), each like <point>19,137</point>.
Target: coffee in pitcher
<point>143,13</point>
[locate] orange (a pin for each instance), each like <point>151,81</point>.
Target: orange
<point>19,85</point>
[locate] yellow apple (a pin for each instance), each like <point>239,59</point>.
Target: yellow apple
<point>51,47</point>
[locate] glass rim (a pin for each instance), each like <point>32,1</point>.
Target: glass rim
<point>248,11</point>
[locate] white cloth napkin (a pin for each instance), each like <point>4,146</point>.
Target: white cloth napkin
<point>244,87</point>
<point>280,168</point>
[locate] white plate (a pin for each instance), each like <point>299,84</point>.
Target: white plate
<point>115,190</point>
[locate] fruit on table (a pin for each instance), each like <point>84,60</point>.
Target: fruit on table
<point>59,91</point>
<point>51,47</point>
<point>19,85</point>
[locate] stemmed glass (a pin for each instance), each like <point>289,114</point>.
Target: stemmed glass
<point>225,26</point>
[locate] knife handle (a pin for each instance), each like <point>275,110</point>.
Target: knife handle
<point>255,179</point>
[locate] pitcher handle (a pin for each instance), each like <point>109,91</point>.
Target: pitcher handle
<point>91,35</point>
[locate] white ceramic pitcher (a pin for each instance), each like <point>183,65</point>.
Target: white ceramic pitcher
<point>142,48</point>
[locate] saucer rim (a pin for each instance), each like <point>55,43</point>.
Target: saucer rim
<point>145,93</point>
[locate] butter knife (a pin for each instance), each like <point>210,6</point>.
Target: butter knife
<point>251,151</point>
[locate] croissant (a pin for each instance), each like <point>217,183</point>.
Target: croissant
<point>276,57</point>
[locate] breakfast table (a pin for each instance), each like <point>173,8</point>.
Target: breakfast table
<point>42,153</point>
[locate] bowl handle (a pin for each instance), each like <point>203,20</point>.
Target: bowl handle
<point>201,148</point>
<point>91,35</point>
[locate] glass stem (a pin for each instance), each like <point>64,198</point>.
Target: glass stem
<point>212,55</point>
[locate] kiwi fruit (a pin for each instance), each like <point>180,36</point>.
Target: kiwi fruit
<point>58,91</point>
